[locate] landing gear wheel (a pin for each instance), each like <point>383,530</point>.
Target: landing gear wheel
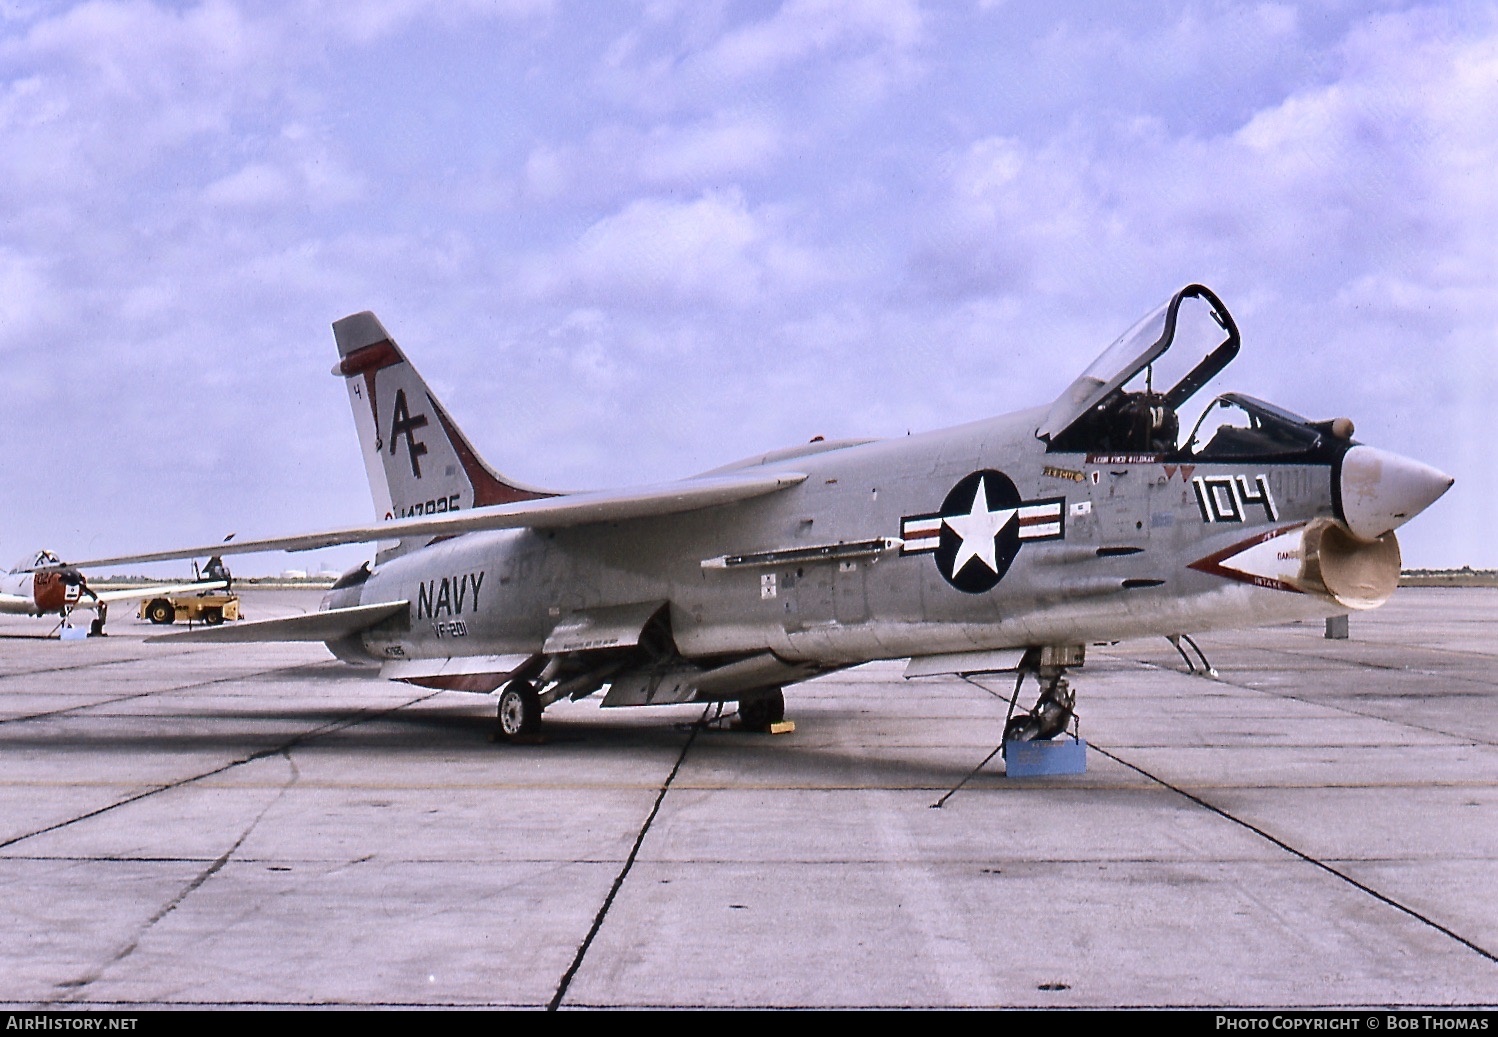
<point>161,611</point>
<point>1053,711</point>
<point>762,711</point>
<point>519,711</point>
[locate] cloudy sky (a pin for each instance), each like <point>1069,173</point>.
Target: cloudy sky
<point>629,241</point>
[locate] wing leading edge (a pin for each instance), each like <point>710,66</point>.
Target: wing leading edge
<point>136,593</point>
<point>573,509</point>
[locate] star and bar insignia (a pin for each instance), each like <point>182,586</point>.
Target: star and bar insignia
<point>979,529</point>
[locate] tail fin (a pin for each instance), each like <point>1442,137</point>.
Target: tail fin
<point>417,460</point>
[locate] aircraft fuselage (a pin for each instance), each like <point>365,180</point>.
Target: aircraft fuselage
<point>1102,552</point>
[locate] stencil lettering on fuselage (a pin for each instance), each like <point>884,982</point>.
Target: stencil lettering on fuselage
<point>979,529</point>
<point>449,595</point>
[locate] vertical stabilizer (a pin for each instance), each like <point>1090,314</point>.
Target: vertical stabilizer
<point>417,460</point>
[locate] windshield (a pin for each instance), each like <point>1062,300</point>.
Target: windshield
<point>37,560</point>
<point>1238,426</point>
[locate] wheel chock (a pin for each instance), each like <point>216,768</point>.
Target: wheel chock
<point>1043,758</point>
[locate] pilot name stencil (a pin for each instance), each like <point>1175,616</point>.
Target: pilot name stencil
<point>1227,498</point>
<point>449,596</point>
<point>979,529</point>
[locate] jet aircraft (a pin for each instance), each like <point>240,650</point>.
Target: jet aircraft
<point>1005,545</point>
<point>42,584</point>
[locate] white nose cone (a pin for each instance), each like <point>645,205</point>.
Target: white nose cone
<point>1382,491</point>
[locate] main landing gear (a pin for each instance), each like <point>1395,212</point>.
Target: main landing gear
<point>64,628</point>
<point>519,711</point>
<point>762,712</point>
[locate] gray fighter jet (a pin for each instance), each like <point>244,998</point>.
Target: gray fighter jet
<point>1005,545</point>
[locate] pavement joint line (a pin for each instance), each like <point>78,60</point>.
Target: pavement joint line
<point>128,947</point>
<point>1351,641</point>
<point>629,862</point>
<point>332,865</point>
<point>1466,739</point>
<point>1261,833</point>
<point>121,698</point>
<point>646,1006</point>
<point>260,754</point>
<point>1369,664</point>
<point>86,665</point>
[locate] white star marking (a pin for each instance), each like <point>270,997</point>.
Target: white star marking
<point>978,528</point>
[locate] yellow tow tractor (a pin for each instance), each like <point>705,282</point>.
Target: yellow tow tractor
<point>210,606</point>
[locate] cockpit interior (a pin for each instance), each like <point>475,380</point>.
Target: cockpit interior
<point>1115,407</point>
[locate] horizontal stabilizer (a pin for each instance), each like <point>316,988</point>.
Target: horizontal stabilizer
<point>573,509</point>
<point>328,625</point>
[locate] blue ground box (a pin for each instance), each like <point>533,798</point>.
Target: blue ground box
<point>1040,758</point>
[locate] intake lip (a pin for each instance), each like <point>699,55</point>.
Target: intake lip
<point>1381,491</point>
<point>1356,574</point>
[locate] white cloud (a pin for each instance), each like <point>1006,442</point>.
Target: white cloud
<point>801,29</point>
<point>301,177</point>
<point>370,20</point>
<point>255,184</point>
<point>28,302</point>
<point>712,250</point>
<point>617,161</point>
<point>835,54</point>
<point>726,146</point>
<point>816,193</point>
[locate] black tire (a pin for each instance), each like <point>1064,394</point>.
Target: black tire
<point>519,711</point>
<point>1024,728</point>
<point>762,711</point>
<point>161,611</point>
<point>213,617</point>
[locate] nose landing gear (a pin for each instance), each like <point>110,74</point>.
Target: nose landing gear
<point>1055,706</point>
<point>1052,713</point>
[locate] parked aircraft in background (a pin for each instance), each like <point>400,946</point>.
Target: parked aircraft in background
<point>43,585</point>
<point>1008,544</point>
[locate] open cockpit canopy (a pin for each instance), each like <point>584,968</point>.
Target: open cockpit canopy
<point>37,560</point>
<point>1115,408</point>
<point>1106,410</point>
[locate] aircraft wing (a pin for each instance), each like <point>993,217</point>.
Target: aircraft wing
<point>25,604</point>
<point>572,509</point>
<point>161,590</point>
<point>17,604</point>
